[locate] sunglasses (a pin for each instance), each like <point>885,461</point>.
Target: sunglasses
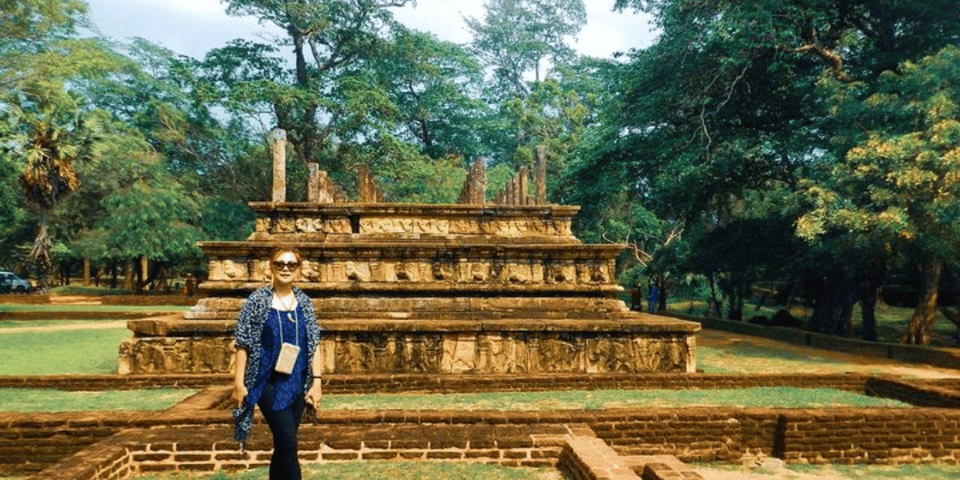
<point>286,265</point>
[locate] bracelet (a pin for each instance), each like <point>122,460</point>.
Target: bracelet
<point>317,376</point>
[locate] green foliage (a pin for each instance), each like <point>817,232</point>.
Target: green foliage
<point>435,86</point>
<point>900,183</point>
<point>521,37</point>
<point>408,176</point>
<point>226,220</point>
<point>329,97</point>
<point>153,220</point>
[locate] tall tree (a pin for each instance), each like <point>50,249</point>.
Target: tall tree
<point>326,97</point>
<point>900,180</point>
<point>48,125</point>
<point>436,87</point>
<point>723,112</point>
<point>524,40</point>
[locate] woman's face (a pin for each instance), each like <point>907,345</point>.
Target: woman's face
<point>285,268</point>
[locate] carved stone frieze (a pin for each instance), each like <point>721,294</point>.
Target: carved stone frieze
<point>426,270</point>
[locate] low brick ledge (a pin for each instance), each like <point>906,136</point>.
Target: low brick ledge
<point>30,443</point>
<point>174,449</point>
<point>915,392</point>
<point>589,458</point>
<point>457,383</point>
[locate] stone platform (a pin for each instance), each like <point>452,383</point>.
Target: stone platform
<point>414,288</point>
<point>436,335</point>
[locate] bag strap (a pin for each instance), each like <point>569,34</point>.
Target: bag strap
<point>296,326</point>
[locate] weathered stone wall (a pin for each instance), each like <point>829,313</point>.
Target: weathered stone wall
<point>386,267</point>
<point>420,350</point>
<point>417,334</point>
<point>549,223</point>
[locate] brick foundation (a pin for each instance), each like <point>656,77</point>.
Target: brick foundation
<point>195,434</point>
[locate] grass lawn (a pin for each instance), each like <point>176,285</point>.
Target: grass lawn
<point>743,357</point>
<point>393,470</point>
<point>777,471</point>
<point>20,307</point>
<point>781,397</point>
<point>35,323</point>
<point>382,470</point>
<point>23,400</point>
<point>56,352</point>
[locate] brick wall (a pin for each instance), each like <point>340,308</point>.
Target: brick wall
<point>851,435</point>
<point>32,442</point>
<point>925,394</point>
<point>874,436</point>
<point>209,448</point>
<point>392,383</point>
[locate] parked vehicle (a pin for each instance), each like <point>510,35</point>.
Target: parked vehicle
<point>10,282</point>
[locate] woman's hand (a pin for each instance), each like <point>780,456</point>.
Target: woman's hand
<point>314,394</point>
<point>239,393</point>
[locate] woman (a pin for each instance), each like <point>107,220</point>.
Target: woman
<point>277,366</point>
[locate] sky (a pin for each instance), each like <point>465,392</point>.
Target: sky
<point>194,27</point>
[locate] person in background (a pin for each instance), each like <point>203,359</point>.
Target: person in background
<point>277,365</point>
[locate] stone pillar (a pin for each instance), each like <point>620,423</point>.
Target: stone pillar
<point>475,187</point>
<point>540,176</point>
<point>367,186</point>
<point>279,143</point>
<point>313,183</point>
<point>523,195</point>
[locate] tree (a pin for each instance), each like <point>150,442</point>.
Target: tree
<point>47,125</point>
<point>521,38</point>
<point>524,47</point>
<point>328,96</point>
<point>899,181</point>
<point>723,114</point>
<point>435,86</point>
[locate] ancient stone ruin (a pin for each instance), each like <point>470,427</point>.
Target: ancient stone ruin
<point>498,287</point>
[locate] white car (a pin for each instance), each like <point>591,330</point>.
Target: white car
<point>10,282</point>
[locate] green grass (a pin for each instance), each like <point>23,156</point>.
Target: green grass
<point>19,307</point>
<point>782,397</point>
<point>381,470</point>
<point>746,358</point>
<point>22,400</point>
<point>61,352</point>
<point>778,471</point>
<point>85,290</point>
<point>36,323</point>
<point>393,470</point>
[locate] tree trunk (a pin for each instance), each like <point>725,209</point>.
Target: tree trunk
<point>735,311</point>
<point>714,305</point>
<point>833,309</point>
<point>40,254</point>
<point>870,286</point>
<point>920,329</point>
<point>868,313</point>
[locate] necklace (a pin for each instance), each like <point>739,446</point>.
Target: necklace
<point>286,307</point>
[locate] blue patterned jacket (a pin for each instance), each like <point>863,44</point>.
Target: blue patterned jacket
<point>248,333</point>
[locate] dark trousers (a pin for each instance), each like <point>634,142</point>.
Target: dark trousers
<point>284,424</point>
